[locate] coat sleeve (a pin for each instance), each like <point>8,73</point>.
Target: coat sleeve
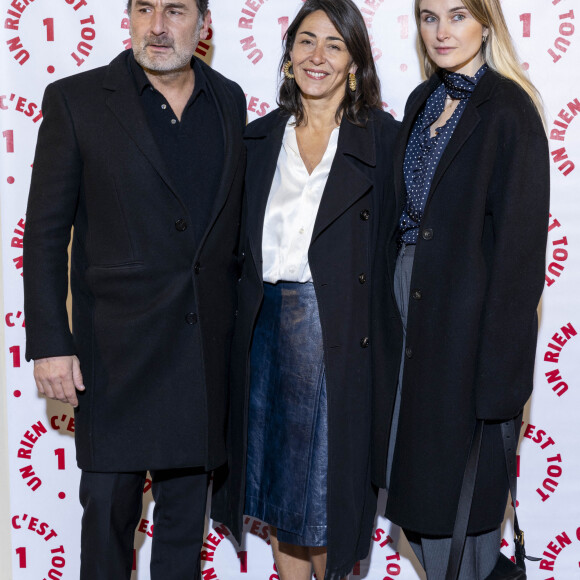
<point>52,204</point>
<point>518,210</point>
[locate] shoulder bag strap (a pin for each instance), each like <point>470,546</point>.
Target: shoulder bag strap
<point>464,507</point>
<point>510,444</point>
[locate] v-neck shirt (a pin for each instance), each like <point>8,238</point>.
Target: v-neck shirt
<point>291,211</point>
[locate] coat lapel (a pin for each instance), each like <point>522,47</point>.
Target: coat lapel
<point>263,141</point>
<point>346,182</point>
<point>232,138</point>
<point>345,185</point>
<point>125,105</point>
<point>467,124</point>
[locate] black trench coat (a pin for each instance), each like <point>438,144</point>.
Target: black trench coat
<point>153,310</point>
<point>341,257</point>
<point>477,278</point>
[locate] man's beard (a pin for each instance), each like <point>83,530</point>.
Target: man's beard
<point>176,60</point>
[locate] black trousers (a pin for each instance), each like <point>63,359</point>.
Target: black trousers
<point>112,504</point>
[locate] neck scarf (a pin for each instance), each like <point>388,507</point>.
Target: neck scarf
<point>460,86</point>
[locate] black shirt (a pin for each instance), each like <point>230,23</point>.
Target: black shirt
<point>193,148</point>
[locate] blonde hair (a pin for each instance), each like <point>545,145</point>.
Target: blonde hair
<point>498,52</point>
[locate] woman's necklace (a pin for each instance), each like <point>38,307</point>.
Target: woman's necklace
<point>449,101</point>
<point>448,109</point>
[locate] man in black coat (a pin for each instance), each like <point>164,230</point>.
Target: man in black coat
<point>144,159</point>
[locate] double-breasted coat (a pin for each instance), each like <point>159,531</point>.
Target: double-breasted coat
<point>153,310</point>
<point>341,256</point>
<point>477,277</point>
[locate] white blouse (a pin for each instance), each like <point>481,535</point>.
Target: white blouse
<point>291,210</point>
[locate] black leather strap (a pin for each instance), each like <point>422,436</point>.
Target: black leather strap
<point>509,446</point>
<point>464,507</point>
<point>510,443</point>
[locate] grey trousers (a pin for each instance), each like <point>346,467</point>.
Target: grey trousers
<point>479,555</point>
<point>482,550</point>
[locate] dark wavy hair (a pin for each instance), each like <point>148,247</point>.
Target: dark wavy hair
<point>202,6</point>
<point>348,20</point>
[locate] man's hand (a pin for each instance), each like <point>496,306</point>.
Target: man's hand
<point>58,378</point>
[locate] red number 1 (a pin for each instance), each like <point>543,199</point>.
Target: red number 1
<point>527,20</point>
<point>49,23</point>
<point>15,352</point>
<point>404,22</point>
<point>60,456</point>
<point>9,136</point>
<point>243,556</point>
<point>284,23</point>
<point>21,552</point>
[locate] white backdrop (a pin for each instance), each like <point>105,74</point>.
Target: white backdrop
<point>43,40</point>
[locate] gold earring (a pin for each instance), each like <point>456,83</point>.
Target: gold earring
<point>352,82</point>
<point>286,70</point>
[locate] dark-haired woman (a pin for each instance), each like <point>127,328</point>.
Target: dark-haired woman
<point>318,170</point>
<point>473,180</point>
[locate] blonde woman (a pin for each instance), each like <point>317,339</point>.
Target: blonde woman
<point>472,177</point>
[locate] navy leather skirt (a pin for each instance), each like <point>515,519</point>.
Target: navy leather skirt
<point>287,458</point>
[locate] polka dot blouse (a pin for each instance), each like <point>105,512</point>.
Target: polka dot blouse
<point>424,152</point>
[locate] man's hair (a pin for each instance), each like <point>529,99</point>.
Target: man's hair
<point>202,6</point>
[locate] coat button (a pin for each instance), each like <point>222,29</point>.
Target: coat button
<point>417,294</point>
<point>191,318</point>
<point>362,278</point>
<point>365,214</point>
<point>180,225</point>
<point>365,342</point>
<point>197,267</point>
<point>409,352</point>
<point>427,234</point>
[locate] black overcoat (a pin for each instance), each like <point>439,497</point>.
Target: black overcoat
<point>152,311</point>
<point>341,256</point>
<point>477,278</point>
